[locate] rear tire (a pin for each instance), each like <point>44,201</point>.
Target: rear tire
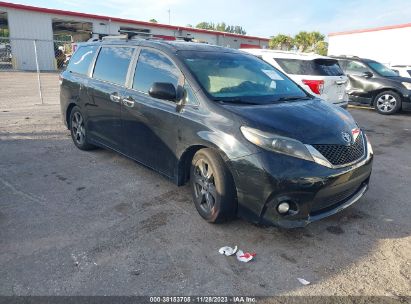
<point>212,187</point>
<point>387,102</point>
<point>78,130</point>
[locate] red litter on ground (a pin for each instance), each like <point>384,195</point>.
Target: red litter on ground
<point>245,256</point>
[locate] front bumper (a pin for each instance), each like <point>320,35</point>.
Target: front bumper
<point>313,191</point>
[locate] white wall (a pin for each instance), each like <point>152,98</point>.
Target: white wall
<point>24,25</point>
<point>391,46</point>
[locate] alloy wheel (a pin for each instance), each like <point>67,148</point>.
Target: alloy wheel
<point>77,126</point>
<point>386,103</point>
<point>204,186</point>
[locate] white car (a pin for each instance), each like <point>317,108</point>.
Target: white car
<point>402,70</point>
<point>319,75</point>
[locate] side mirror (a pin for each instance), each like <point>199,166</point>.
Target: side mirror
<point>367,74</point>
<point>163,90</point>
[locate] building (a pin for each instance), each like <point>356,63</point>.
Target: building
<point>389,44</point>
<point>50,32</point>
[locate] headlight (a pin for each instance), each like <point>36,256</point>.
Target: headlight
<point>369,147</point>
<point>407,85</point>
<point>279,144</point>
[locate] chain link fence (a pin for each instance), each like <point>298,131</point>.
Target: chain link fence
<point>43,58</point>
<point>33,55</point>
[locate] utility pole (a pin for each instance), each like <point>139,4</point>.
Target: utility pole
<point>169,16</point>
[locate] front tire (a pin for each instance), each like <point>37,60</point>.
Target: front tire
<point>212,187</point>
<point>78,130</point>
<point>387,102</point>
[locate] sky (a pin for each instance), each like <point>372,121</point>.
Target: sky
<point>263,18</point>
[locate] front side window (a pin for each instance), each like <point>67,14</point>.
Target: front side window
<point>81,59</point>
<point>382,69</point>
<point>239,78</point>
<point>316,67</point>
<point>112,64</point>
<point>152,67</point>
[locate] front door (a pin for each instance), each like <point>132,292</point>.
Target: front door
<point>150,125</point>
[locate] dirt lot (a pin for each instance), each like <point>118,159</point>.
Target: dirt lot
<point>96,223</point>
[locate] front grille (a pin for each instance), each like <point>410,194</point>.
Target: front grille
<point>340,154</point>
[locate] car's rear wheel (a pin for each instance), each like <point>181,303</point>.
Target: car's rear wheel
<point>387,102</point>
<point>212,187</point>
<point>78,130</point>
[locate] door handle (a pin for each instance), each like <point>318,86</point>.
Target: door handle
<point>128,102</point>
<point>115,97</point>
<point>340,82</point>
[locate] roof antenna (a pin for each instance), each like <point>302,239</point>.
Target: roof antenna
<point>169,16</point>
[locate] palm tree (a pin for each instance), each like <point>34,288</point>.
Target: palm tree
<point>303,41</point>
<point>282,42</point>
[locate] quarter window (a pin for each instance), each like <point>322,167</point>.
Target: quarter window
<point>80,62</point>
<point>112,64</point>
<point>154,67</point>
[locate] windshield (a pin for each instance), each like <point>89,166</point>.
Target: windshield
<point>382,69</point>
<point>240,78</point>
<point>316,67</point>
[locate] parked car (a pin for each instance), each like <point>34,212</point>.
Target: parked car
<point>247,139</point>
<point>402,70</point>
<point>372,83</point>
<point>318,75</point>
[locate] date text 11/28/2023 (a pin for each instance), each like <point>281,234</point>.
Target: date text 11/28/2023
<point>203,299</point>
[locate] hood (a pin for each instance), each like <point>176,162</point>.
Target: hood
<point>309,121</point>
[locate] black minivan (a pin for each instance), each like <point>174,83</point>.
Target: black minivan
<point>250,141</point>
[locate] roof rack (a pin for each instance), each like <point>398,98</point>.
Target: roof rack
<point>115,37</point>
<point>136,34</point>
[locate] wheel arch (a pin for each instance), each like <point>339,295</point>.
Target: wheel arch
<point>385,89</point>
<point>68,113</point>
<point>184,162</point>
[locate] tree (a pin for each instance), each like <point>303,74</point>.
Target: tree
<point>307,41</point>
<point>189,25</point>
<point>205,26</point>
<point>281,42</point>
<point>321,48</point>
<point>153,21</point>
<point>222,27</point>
<point>302,41</point>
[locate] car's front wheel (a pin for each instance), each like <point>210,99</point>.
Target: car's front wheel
<point>387,102</point>
<point>212,187</point>
<point>78,130</point>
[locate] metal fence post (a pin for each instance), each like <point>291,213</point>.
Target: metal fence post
<point>38,71</point>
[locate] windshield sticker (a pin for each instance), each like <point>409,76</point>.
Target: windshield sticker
<point>272,74</point>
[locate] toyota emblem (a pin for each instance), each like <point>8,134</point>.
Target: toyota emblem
<point>346,137</point>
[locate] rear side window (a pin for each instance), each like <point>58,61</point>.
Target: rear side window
<point>81,60</point>
<point>153,67</point>
<point>409,72</point>
<point>112,64</point>
<point>356,67</point>
<point>316,67</point>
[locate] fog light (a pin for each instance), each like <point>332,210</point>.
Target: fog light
<point>283,208</point>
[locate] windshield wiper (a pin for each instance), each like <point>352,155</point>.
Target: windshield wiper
<point>290,98</point>
<point>237,101</point>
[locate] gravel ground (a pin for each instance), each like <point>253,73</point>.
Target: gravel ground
<point>96,223</point>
